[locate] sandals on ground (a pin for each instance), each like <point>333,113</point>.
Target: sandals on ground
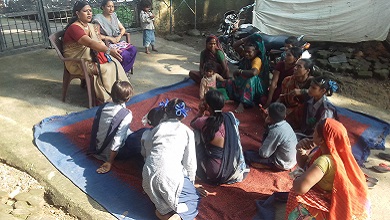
<point>382,168</point>
<point>384,156</point>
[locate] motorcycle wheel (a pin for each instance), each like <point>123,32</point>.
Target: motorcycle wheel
<point>231,55</point>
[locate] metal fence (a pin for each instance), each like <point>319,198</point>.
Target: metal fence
<point>28,23</point>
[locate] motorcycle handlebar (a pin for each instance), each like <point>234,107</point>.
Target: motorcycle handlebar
<point>246,8</point>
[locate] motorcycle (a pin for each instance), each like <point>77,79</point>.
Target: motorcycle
<point>232,31</point>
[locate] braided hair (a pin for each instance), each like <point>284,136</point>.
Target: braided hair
<point>215,101</point>
<point>329,85</point>
<point>176,108</point>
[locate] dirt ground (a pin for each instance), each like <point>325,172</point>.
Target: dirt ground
<point>370,91</point>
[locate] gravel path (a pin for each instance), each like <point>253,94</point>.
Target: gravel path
<point>14,182</point>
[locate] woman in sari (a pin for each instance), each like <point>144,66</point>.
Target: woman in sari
<point>332,185</point>
<point>294,91</point>
<point>252,75</point>
<point>111,29</point>
<point>213,53</point>
<point>282,69</point>
<point>219,152</point>
<point>79,39</point>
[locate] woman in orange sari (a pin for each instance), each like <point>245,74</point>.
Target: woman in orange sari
<point>294,91</point>
<point>333,185</point>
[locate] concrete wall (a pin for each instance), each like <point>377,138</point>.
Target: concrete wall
<point>208,12</point>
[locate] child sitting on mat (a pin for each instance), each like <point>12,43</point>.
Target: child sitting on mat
<point>279,141</point>
<point>169,171</point>
<point>209,81</point>
<point>317,106</point>
<point>153,118</point>
<point>111,136</point>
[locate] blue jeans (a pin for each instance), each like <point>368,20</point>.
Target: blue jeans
<point>148,37</point>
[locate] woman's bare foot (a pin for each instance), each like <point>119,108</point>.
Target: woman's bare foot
<point>240,108</point>
<point>169,216</point>
<point>104,168</point>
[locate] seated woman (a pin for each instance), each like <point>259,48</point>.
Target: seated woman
<point>282,69</point>
<point>251,77</point>
<point>317,106</point>
<point>213,53</point>
<point>332,185</point>
<point>294,90</point>
<point>79,39</point>
<point>220,144</point>
<point>112,30</point>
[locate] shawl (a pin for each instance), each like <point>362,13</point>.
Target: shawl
<point>233,163</point>
<point>264,72</point>
<point>349,195</point>
<point>108,28</point>
<point>208,55</point>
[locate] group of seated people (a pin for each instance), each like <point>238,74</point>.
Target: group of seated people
<point>301,125</point>
<point>83,39</point>
<point>173,155</point>
<point>302,130</point>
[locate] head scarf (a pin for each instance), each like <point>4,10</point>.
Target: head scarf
<point>212,36</point>
<point>257,40</point>
<point>349,194</point>
<point>208,56</point>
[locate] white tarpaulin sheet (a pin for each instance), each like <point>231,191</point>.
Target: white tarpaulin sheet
<point>325,20</point>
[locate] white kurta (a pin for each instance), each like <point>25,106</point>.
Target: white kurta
<point>171,158</point>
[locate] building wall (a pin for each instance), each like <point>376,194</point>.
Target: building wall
<point>208,12</point>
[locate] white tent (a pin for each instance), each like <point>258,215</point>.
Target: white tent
<point>325,20</point>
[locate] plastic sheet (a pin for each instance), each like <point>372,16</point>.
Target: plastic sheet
<point>325,20</point>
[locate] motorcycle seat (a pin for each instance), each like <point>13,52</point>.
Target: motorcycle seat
<point>273,41</point>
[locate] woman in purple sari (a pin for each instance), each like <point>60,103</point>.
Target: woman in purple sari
<point>213,53</point>
<point>112,30</point>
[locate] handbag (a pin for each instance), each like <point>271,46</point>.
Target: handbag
<point>103,57</point>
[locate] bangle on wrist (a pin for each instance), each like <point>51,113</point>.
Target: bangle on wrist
<point>240,71</point>
<point>108,50</point>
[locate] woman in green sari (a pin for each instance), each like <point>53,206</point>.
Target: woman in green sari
<point>252,75</point>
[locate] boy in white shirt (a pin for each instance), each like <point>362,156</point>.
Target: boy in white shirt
<point>111,128</point>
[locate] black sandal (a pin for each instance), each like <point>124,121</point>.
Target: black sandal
<point>384,156</point>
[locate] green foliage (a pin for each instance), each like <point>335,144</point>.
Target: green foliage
<point>96,11</point>
<point>125,14</point>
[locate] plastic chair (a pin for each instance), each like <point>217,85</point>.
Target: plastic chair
<point>56,42</point>
<point>127,36</point>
